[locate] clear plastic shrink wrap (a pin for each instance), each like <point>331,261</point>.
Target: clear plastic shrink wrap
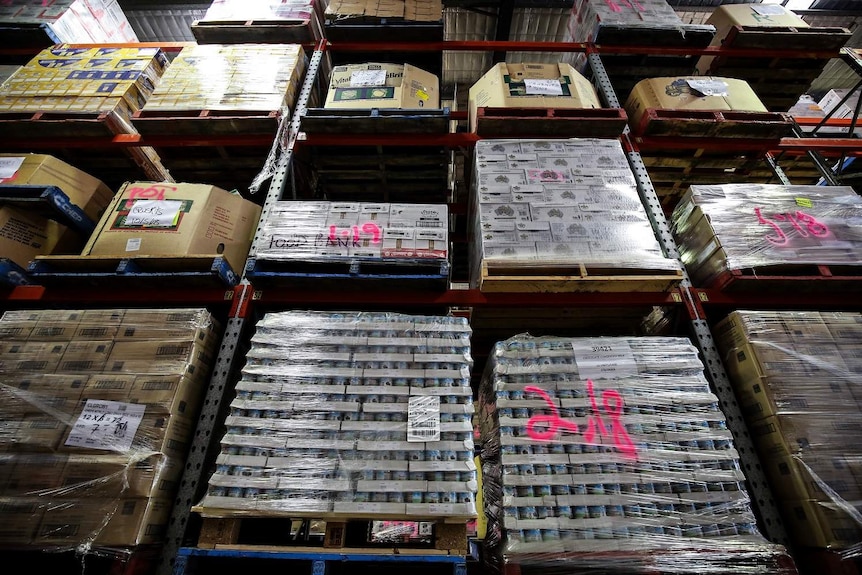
<point>611,455</point>
<point>798,378</point>
<point>97,408</point>
<point>559,202</point>
<point>327,231</point>
<point>738,226</point>
<point>245,10</point>
<point>352,413</point>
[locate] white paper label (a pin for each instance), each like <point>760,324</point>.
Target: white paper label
<point>367,78</point>
<point>8,166</point>
<point>154,213</point>
<point>543,87</point>
<point>106,425</point>
<point>604,358</point>
<point>709,87</point>
<point>423,418</point>
<point>769,9</point>
<point>133,244</point>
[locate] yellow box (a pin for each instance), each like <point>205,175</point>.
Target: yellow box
<point>404,87</point>
<point>819,524</point>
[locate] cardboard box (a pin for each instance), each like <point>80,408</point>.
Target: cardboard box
<point>36,475</point>
<point>31,356</point>
<point>790,479</point>
<point>798,433</point>
<point>724,18</point>
<point>373,85</point>
<point>531,86</point>
<point>38,433</point>
<point>84,191</point>
<point>107,387</point>
<point>158,431</point>
<point>155,356</point>
<point>829,103</point>
<point>130,522</point>
<point>24,236</point>
<point>175,394</point>
<point>689,93</point>
<point>21,518</point>
<point>819,524</point>
<point>194,325</point>
<point>85,356</point>
<point>176,220</point>
<point>115,476</point>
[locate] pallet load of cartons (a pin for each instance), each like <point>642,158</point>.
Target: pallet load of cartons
<point>732,231</point>
<point>97,410</point>
<point>611,455</point>
<point>350,415</point>
<point>38,23</point>
<point>241,21</point>
<point>382,85</point>
<point>796,375</point>
<point>26,233</point>
<point>562,215</point>
<point>107,85</point>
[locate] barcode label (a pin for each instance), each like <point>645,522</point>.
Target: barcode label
<point>423,419</point>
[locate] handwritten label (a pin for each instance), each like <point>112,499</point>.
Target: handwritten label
<point>543,87</point>
<point>367,78</point>
<point>153,192</point>
<point>604,358</point>
<point>423,418</point>
<point>545,428</point>
<point>709,87</point>
<point>813,227</point>
<point>769,9</point>
<point>9,166</point>
<point>804,203</point>
<point>106,425</point>
<point>154,213</point>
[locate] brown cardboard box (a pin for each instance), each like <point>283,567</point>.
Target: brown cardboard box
<point>504,86</point>
<point>137,522</point>
<point>24,236</point>
<point>83,190</point>
<point>192,325</point>
<point>677,93</point>
<point>36,475</point>
<point>31,356</point>
<point>820,524</point>
<point>39,433</point>
<point>7,465</point>
<point>176,220</point>
<point>117,476</point>
<point>160,356</point>
<point>85,356</point>
<point>802,433</point>
<point>158,432</point>
<point>374,85</point>
<point>38,392</point>
<point>109,387</point>
<point>21,518</point>
<point>110,522</point>
<point>55,325</point>
<point>724,18</point>
<point>790,479</point>
<point>176,394</point>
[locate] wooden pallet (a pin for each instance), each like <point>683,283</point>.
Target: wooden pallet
<point>550,122</point>
<point>374,121</point>
<point>206,122</point>
<point>770,126</point>
<point>112,271</point>
<point>257,31</point>
<point>778,82</point>
<point>350,274</point>
<point>575,278</point>
<point>800,278</point>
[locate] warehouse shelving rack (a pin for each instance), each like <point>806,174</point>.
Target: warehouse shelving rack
<point>244,300</point>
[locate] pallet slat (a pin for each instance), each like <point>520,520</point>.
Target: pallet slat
<point>359,274</point>
<point>576,278</point>
<point>714,124</point>
<point>375,121</point>
<point>807,278</point>
<point>554,122</point>
<point>256,31</point>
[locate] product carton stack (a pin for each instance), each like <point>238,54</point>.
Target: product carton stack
<point>333,231</point>
<point>732,230</point>
<point>98,409</point>
<point>243,21</point>
<point>612,454</point>
<point>37,23</point>
<point>796,375</point>
<point>106,85</point>
<point>25,234</point>
<point>381,85</point>
<point>561,208</point>
<point>350,415</point>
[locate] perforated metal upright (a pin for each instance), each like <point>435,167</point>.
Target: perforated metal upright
<point>222,380</point>
<point>772,525</point>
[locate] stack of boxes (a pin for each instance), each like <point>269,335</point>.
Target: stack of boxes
<point>243,77</point>
<point>76,21</point>
<point>351,413</point>
<point>739,226</point>
<point>612,453</point>
<point>328,231</point>
<point>559,203</point>
<point>98,408</point>
<point>300,20</point>
<point>796,375</point>
<point>76,80</point>
<point>410,10</point>
<point>381,85</point>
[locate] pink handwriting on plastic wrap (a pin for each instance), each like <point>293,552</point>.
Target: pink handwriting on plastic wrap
<point>343,237</point>
<point>153,192</point>
<point>612,404</point>
<point>813,227</point>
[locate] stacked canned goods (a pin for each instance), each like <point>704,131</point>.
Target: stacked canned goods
<point>351,413</point>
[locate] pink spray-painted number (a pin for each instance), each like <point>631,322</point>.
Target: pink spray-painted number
<point>369,228</point>
<point>154,192</point>
<point>813,227</point>
<point>612,404</point>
